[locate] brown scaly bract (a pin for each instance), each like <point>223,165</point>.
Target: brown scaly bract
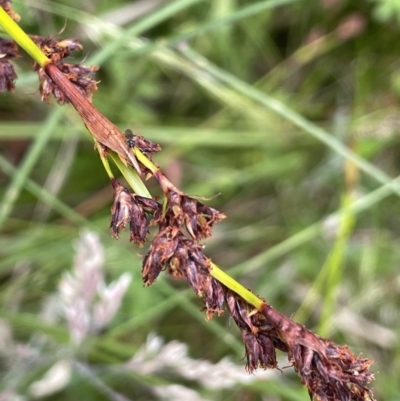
<point>171,249</point>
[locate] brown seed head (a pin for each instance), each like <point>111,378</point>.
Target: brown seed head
<point>138,225</point>
<point>120,209</point>
<point>160,255</point>
<point>330,372</point>
<point>258,338</point>
<point>55,49</point>
<point>127,208</point>
<point>197,218</point>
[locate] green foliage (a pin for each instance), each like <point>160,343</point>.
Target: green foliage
<point>283,113</point>
<point>386,10</point>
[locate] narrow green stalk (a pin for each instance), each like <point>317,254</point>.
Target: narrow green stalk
<point>144,24</point>
<point>236,287</point>
<point>43,195</point>
<point>104,160</point>
<point>239,15</point>
<point>145,160</point>
<point>131,177</point>
<point>290,115</point>
<point>29,161</point>
<point>335,266</point>
<point>13,29</point>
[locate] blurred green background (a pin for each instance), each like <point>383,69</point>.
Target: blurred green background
<point>284,114</point>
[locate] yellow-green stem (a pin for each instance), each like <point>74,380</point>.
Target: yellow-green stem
<point>236,287</point>
<point>104,160</point>
<point>19,36</point>
<point>131,177</point>
<point>145,160</point>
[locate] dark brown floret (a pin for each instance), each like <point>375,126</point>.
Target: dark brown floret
<point>8,49</point>
<point>7,76</point>
<point>330,372</point>
<point>214,297</point>
<point>148,204</point>
<point>76,74</point>
<point>183,259</point>
<point>258,342</point>
<point>138,224</point>
<point>120,209</point>
<point>195,216</point>
<point>79,75</point>
<point>160,255</point>
<point>55,49</point>
<point>127,208</point>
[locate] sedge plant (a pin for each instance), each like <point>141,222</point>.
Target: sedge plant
<point>329,371</point>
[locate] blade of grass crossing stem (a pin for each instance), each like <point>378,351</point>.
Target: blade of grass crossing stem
<point>29,161</point>
<point>335,262</point>
<point>144,24</point>
<point>21,38</point>
<point>290,115</point>
<point>201,29</point>
<point>131,177</point>
<point>120,36</point>
<point>314,230</point>
<point>228,338</point>
<point>43,195</point>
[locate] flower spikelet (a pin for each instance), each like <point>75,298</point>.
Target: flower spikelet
<point>8,51</point>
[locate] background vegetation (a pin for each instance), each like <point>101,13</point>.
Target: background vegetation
<point>285,109</point>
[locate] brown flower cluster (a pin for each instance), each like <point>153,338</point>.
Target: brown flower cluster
<point>175,248</point>
<point>129,208</point>
<point>8,51</point>
<point>80,76</point>
<point>330,372</point>
<point>259,336</point>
